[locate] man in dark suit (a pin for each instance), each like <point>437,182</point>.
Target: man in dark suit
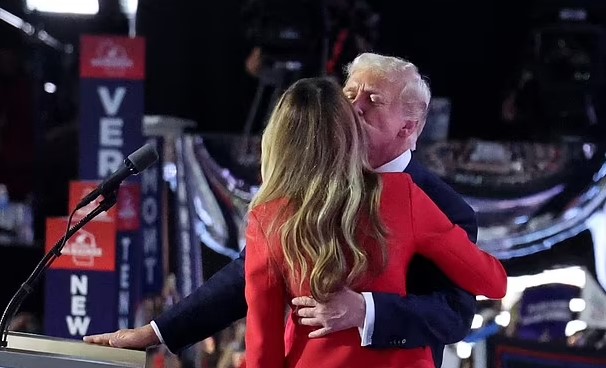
<point>391,98</point>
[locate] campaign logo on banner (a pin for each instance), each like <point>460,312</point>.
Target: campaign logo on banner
<point>112,57</point>
<point>91,248</point>
<point>77,302</point>
<point>129,203</point>
<point>125,212</point>
<point>80,189</point>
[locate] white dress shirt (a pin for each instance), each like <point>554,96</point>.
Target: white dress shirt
<point>398,164</point>
<point>157,331</point>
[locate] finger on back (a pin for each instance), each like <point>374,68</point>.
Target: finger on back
<point>304,301</point>
<point>319,333</point>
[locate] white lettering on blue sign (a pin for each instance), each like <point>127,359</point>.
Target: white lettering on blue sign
<point>78,321</point>
<point>124,284</point>
<point>124,275</point>
<point>150,264</point>
<point>150,216</point>
<point>150,249</point>
<point>150,210</point>
<point>109,161</point>
<point>111,104</point>
<point>124,304</point>
<point>110,131</point>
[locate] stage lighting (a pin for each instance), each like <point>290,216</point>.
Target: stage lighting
<point>85,7</point>
<point>575,326</point>
<point>477,322</point>
<point>50,87</point>
<point>503,319</point>
<point>464,350</point>
<point>129,7</point>
<point>577,305</point>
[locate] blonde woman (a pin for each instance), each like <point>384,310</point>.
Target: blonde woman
<point>323,220</point>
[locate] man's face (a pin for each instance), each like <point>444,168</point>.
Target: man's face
<point>377,103</point>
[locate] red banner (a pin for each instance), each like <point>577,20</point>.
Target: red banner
<point>126,213</point>
<point>129,207</point>
<point>77,191</point>
<point>92,248</point>
<point>112,57</point>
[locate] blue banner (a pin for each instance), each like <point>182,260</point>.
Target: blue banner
<point>112,71</point>
<point>151,224</point>
<point>77,303</point>
<point>128,255</point>
<point>81,284</point>
<point>110,125</point>
<point>545,311</point>
<point>110,130</point>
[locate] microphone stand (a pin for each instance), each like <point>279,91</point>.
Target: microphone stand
<point>27,287</point>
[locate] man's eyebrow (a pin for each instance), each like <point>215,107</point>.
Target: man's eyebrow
<point>367,88</point>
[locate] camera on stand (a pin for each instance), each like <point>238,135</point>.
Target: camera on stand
<point>568,66</point>
<point>289,38</point>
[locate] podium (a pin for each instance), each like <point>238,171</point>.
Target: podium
<point>33,351</point>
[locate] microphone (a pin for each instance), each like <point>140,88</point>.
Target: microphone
<point>136,162</point>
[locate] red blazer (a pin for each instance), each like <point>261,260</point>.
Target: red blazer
<point>415,225</point>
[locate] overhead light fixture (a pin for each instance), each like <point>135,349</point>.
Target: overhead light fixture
<point>86,7</point>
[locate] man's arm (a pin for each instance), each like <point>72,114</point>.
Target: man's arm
<point>443,316</point>
<point>435,310</point>
<point>209,309</point>
<point>417,320</point>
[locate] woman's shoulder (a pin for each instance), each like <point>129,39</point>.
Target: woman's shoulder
<point>270,209</point>
<point>396,179</point>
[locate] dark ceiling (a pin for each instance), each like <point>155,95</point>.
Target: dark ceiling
<point>469,50</point>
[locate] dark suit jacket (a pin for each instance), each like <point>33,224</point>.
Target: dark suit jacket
<point>435,312</point>
<point>414,224</point>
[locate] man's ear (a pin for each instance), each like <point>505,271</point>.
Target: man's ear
<point>408,128</point>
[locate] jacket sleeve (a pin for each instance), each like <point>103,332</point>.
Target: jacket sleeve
<point>435,311</point>
<point>446,244</point>
<point>210,308</point>
<point>266,297</point>
<point>416,321</point>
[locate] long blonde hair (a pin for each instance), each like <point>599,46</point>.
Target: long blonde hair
<point>314,155</point>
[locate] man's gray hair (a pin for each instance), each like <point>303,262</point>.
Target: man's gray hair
<point>415,92</point>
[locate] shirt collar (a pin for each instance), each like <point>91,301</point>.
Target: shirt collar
<point>398,164</point>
